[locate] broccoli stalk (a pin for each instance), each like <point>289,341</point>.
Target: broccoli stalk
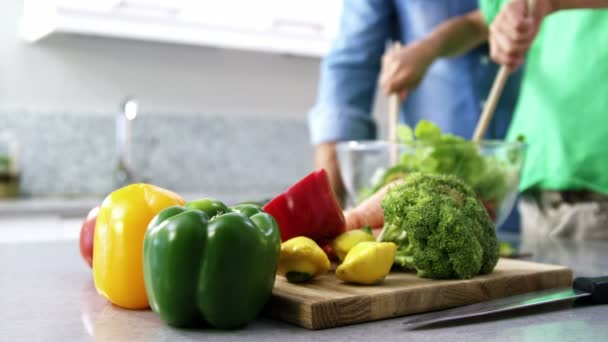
<point>440,227</point>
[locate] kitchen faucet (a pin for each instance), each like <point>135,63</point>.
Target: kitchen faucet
<point>124,174</point>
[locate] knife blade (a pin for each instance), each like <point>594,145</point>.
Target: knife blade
<point>596,288</point>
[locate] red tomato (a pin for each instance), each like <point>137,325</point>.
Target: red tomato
<point>87,232</point>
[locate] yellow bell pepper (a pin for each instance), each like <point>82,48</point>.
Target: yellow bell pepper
<point>302,259</point>
<point>118,243</point>
<point>367,263</point>
<point>346,241</point>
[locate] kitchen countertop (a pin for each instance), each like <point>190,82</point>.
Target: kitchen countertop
<point>47,293</point>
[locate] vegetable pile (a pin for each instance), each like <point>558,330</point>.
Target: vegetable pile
<point>193,263</point>
<point>436,153</point>
<point>202,262</point>
<point>440,227</point>
<point>312,228</point>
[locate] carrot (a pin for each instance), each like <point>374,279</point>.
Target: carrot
<point>368,213</point>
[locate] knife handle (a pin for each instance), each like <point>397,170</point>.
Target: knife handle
<point>597,287</point>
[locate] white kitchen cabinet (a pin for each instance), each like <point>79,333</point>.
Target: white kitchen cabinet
<point>299,27</point>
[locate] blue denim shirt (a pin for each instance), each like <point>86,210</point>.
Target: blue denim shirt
<point>451,94</point>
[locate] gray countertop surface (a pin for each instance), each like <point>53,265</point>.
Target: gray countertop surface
<point>47,294</point>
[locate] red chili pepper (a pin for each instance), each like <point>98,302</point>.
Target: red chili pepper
<point>308,208</point>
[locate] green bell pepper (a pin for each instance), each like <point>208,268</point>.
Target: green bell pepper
<point>209,263</point>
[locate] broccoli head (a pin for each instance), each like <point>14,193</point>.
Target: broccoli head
<point>440,227</point>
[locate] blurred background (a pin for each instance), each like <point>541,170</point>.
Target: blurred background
<point>219,93</point>
<point>206,98</point>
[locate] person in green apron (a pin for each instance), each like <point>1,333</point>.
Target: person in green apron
<point>562,110</point>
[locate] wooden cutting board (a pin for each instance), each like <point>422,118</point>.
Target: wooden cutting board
<point>328,302</point>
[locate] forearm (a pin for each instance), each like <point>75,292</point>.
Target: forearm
<point>578,4</point>
<point>326,158</point>
<point>458,35</point>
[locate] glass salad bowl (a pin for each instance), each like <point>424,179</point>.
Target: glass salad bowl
<point>491,168</point>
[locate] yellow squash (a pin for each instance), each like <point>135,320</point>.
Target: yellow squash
<point>302,259</point>
<point>343,243</point>
<point>367,263</point>
<point>118,244</point>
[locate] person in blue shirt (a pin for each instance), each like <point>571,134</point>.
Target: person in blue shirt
<point>446,90</point>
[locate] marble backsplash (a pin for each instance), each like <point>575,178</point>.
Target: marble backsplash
<point>74,153</point>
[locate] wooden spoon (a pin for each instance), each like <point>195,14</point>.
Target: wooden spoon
<point>394,103</point>
<point>494,96</point>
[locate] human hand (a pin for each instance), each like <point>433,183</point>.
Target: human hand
<point>403,67</point>
<point>514,30</point>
